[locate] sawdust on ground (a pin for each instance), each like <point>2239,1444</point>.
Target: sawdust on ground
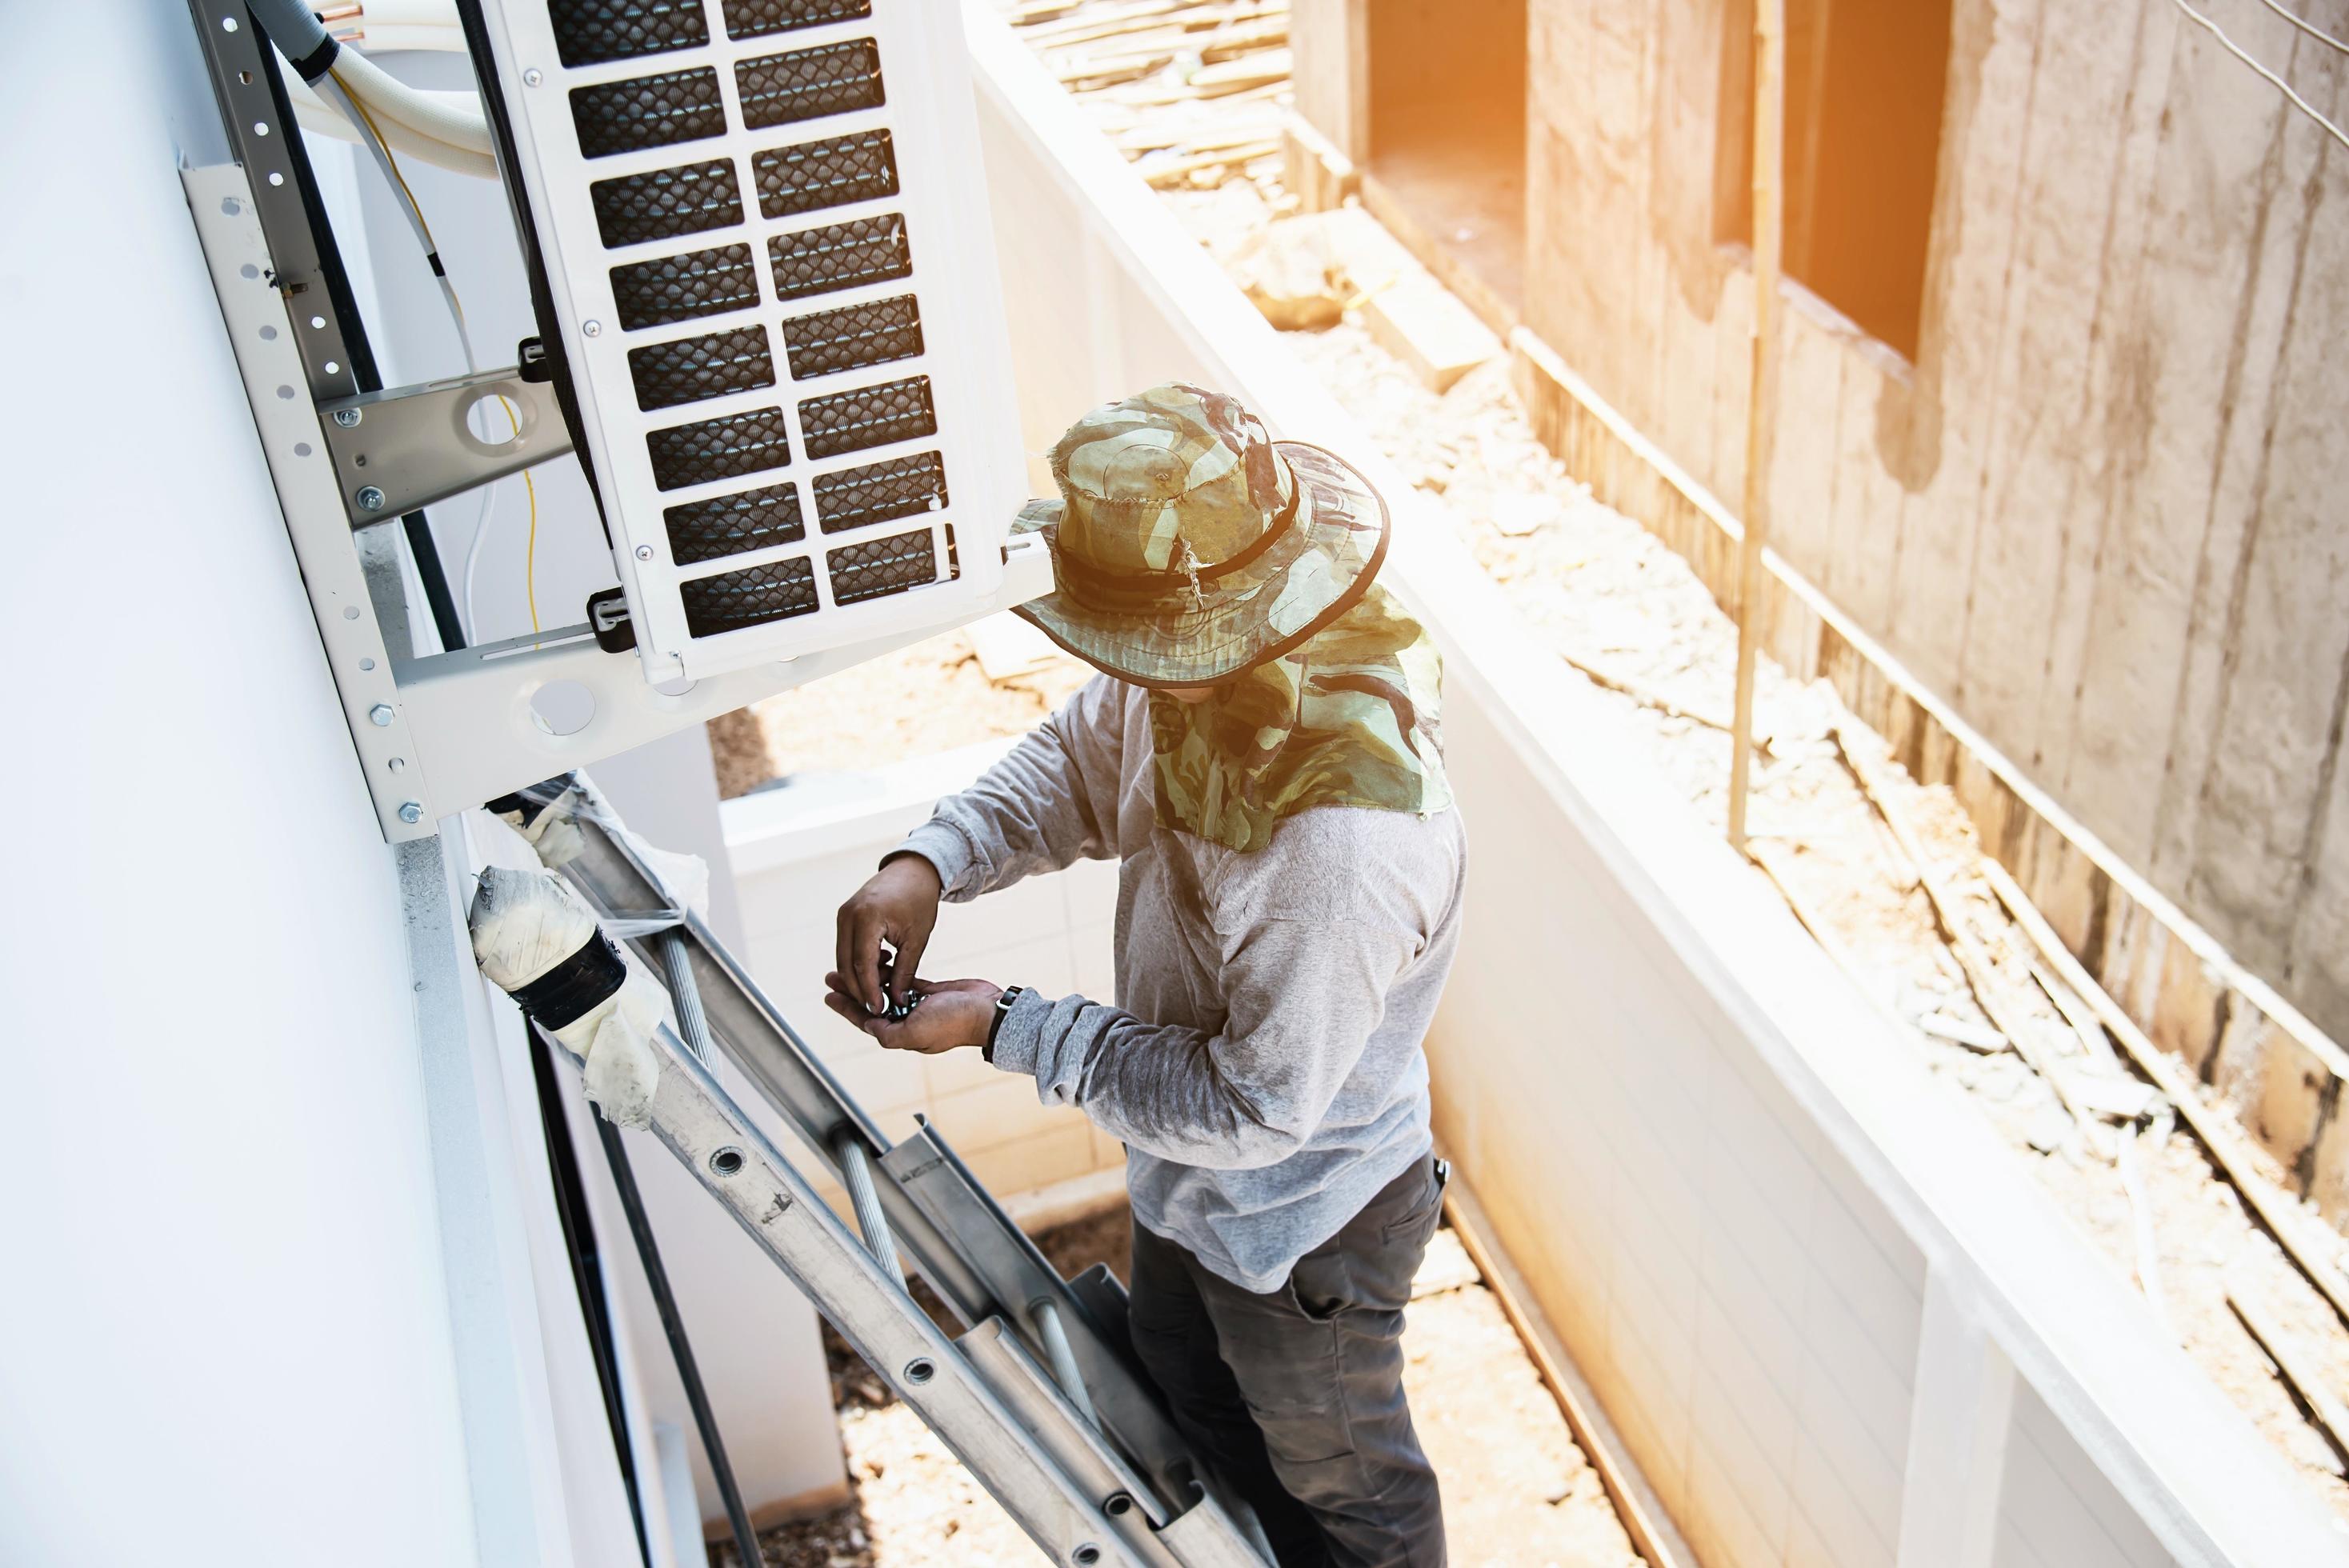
<point>1519,1493</point>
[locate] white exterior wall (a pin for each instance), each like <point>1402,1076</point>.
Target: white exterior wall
<point>225,1332</point>
<point>798,851</point>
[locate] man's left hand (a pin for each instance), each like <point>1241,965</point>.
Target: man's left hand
<point>951,1013</point>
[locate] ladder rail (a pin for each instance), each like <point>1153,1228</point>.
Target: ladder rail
<point>919,1206</point>
<point>734,1162</point>
<point>756,1039</point>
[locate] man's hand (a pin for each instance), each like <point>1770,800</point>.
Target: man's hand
<point>951,1013</point>
<point>899,906</point>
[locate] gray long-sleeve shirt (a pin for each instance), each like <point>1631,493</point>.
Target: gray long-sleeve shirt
<point>1262,1063</point>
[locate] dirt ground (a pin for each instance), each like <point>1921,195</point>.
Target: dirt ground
<point>1517,1492</point>
<point>930,698</point>
<point>1614,601</point>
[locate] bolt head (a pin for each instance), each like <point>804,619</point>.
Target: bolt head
<point>533,77</point>
<point>644,553</point>
<point>411,813</point>
<point>370,499</point>
<point>381,715</point>
<point>591,329</point>
<point>348,418</point>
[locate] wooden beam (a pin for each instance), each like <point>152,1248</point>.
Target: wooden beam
<point>1981,974</point>
<point>2281,1218</point>
<point>1769,235</point>
<point>2304,1377</point>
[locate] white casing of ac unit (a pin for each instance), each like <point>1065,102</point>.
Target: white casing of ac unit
<point>811,193</point>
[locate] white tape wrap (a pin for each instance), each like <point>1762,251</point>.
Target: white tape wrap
<point>525,924</point>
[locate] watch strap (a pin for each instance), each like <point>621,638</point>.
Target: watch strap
<point>995,1024</point>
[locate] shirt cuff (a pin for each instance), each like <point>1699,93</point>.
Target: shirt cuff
<point>1020,1040</point>
<point>944,848</point>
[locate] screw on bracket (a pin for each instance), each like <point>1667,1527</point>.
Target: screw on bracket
<point>370,499</point>
<point>381,715</point>
<point>411,813</point>
<point>644,553</point>
<point>348,418</point>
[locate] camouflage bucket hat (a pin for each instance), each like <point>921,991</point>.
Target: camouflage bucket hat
<point>1188,546</point>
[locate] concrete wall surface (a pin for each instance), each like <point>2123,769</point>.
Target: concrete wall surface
<point>2096,510</point>
<point>801,849</point>
<point>1832,1318</point>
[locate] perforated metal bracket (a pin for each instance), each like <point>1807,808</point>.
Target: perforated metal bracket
<point>442,733</point>
<point>407,447</point>
<point>474,707</point>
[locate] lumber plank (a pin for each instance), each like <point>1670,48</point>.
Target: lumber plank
<point>1177,170</point>
<point>2300,1374</point>
<point>1989,987</point>
<point>2225,1146</point>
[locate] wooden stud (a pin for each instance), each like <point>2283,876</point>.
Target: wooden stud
<point>1769,238</point>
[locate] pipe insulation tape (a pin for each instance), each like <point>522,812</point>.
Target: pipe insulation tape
<point>537,942</point>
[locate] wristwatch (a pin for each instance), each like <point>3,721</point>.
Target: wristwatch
<point>995,1025</point>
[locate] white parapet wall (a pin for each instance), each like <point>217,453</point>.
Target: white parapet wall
<point>1832,1318</point>
<point>798,849</point>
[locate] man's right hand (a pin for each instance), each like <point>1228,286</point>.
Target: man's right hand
<point>899,906</point>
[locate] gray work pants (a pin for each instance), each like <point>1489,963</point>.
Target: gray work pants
<point>1296,1396</point>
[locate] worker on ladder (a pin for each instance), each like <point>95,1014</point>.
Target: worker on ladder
<point>1260,755</point>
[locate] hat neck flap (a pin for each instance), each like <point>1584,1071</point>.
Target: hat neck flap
<point>1349,719</point>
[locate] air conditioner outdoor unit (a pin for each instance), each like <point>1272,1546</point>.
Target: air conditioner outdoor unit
<point>763,231</point>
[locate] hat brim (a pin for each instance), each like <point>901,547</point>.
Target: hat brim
<point>1313,573</point>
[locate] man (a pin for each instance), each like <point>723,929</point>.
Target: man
<point>1260,756</point>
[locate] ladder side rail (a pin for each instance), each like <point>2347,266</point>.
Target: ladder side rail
<point>728,1154</point>
<point>1057,1425</point>
<point>771,1054</point>
<point>1129,1408</point>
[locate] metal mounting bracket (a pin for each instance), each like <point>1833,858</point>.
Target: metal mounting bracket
<point>444,732</point>
<point>407,447</point>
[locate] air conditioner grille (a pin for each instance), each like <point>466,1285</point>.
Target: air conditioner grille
<point>667,203</point>
<point>723,195</point>
<point>589,32</point>
<point>758,18</point>
<point>839,256</point>
<point>818,174</point>
<point>880,492</point>
<point>752,597</point>
<point>853,336</point>
<point>691,369</point>
<point>808,83</point>
<point>648,111</point>
<point>868,416</point>
<point>881,566</point>
<point>714,449</point>
<point>731,525</point>
<point>685,288</point>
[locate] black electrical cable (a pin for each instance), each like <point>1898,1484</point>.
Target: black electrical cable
<point>587,1270</point>
<point>746,1540</point>
<point>364,375</point>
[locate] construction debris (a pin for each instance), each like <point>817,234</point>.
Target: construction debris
<point>2293,1365</point>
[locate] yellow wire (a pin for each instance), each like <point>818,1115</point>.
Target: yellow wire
<point>391,161</point>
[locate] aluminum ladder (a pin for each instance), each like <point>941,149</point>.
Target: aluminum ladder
<point>1082,1455</point>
